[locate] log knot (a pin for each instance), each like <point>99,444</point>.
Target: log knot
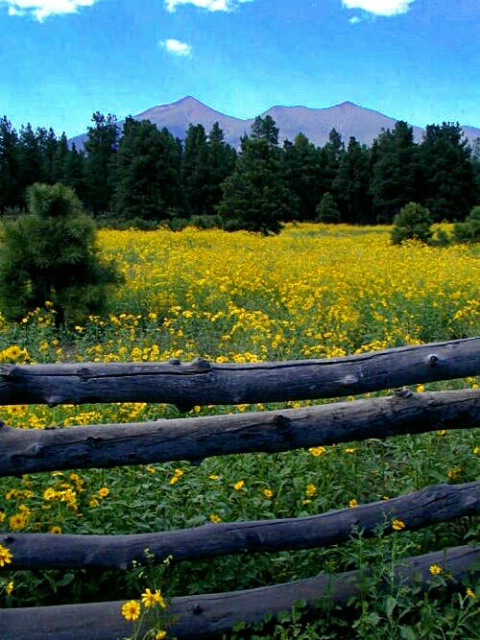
<point>200,365</point>
<point>197,609</point>
<point>403,393</point>
<point>434,360</point>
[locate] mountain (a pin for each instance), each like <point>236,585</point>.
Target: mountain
<point>347,118</point>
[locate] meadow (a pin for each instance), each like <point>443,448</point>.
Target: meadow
<point>314,291</point>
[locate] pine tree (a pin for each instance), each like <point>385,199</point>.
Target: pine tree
<point>50,255</point>
<point>352,184</point>
<point>255,195</point>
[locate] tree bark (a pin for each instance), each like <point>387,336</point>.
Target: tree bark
<point>431,505</point>
<point>201,382</point>
<point>103,446</point>
<point>209,616</point>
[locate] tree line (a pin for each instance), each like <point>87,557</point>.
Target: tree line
<point>142,176</point>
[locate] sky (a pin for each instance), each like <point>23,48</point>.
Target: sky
<point>413,60</point>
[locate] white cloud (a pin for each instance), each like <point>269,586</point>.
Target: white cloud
<point>176,47</point>
<point>380,7</point>
<point>210,5</point>
<point>41,9</point>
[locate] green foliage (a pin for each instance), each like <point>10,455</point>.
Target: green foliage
<point>49,256</point>
<point>412,222</point>
<point>327,210</point>
<point>469,230</point>
<point>255,196</point>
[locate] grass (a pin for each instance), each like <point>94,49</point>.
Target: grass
<point>315,291</point>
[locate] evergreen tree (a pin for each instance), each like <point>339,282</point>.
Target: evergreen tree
<point>394,173</point>
<point>449,188</point>
<point>10,195</point>
<point>101,147</point>
<point>30,159</point>
<point>330,155</point>
<point>147,172</point>
<point>221,161</point>
<point>266,129</point>
<point>194,171</point>
<point>327,210</point>
<point>412,222</point>
<point>255,196</point>
<point>302,171</point>
<point>50,254</point>
<point>352,184</point>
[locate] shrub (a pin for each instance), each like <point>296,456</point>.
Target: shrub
<point>327,209</point>
<point>469,229</point>
<point>50,255</point>
<point>412,222</point>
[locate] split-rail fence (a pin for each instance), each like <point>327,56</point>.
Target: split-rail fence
<point>204,383</point>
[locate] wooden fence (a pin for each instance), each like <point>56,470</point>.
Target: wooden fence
<point>200,383</point>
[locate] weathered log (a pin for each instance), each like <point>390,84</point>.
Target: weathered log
<point>209,616</point>
<point>32,450</point>
<point>202,382</point>
<point>431,505</point>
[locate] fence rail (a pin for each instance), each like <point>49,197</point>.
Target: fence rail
<point>198,383</point>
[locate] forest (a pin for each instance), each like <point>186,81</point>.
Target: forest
<point>132,174</point>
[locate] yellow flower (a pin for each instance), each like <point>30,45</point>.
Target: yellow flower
<point>160,635</point>
<point>93,502</point>
<point>311,490</point>
<point>213,517</point>
<point>398,525</point>
<point>353,503</point>
<point>435,569</point>
<point>238,485</point>
<point>103,492</point>
<point>5,556</point>
<point>268,493</point>
<point>350,450</point>
<point>18,521</point>
<point>420,388</point>
<point>55,529</point>
<point>131,610</point>
<point>150,599</point>
<point>214,477</point>
<point>471,593</point>
<point>9,587</point>
<point>476,451</point>
<point>317,451</point>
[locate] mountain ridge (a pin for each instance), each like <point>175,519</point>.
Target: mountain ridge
<point>348,118</point>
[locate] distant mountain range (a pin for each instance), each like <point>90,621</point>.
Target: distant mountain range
<point>347,118</point>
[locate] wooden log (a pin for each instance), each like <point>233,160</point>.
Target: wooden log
<point>210,616</point>
<point>202,382</point>
<point>431,505</point>
<point>80,447</point>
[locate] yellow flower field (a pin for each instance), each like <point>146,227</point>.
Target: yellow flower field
<point>314,291</point>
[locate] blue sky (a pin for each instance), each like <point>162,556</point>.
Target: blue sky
<point>61,60</point>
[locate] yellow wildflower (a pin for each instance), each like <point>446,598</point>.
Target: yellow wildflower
<point>213,517</point>
<point>150,599</point>
<point>398,525</point>
<point>317,451</point>
<point>103,492</point>
<point>268,493</point>
<point>238,485</point>
<point>353,503</point>
<point>5,556</point>
<point>435,570</point>
<point>131,610</point>
<point>311,490</point>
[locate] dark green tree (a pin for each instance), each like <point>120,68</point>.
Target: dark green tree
<point>255,195</point>
<point>147,172</point>
<point>10,195</point>
<point>330,155</point>
<point>448,183</point>
<point>394,171</point>
<point>327,210</point>
<point>412,222</point>
<point>352,184</point>
<point>194,169</point>
<point>100,147</point>
<point>303,174</point>
<point>30,159</point>
<point>266,129</point>
<point>50,254</point>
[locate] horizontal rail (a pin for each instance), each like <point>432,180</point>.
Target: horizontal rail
<point>434,504</point>
<point>201,382</point>
<point>103,446</point>
<point>210,616</point>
